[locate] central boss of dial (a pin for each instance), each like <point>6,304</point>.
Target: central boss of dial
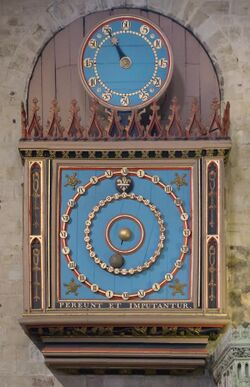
<point>124,234</point>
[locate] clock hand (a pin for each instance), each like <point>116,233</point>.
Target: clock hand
<point>115,43</point>
<point>120,51</point>
<point>125,61</point>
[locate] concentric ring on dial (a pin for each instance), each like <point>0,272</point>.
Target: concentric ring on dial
<point>132,270</point>
<point>114,220</point>
<point>149,81</point>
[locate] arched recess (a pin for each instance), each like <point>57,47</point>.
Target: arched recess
<point>55,75</point>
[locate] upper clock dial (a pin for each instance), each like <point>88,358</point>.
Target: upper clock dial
<point>126,62</point>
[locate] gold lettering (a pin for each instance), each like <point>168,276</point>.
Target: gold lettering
<point>144,29</point>
<point>126,25</point>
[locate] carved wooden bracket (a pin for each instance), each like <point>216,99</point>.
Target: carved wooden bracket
<point>54,128</point>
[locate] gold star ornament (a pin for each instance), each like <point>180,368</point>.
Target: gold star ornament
<point>177,287</point>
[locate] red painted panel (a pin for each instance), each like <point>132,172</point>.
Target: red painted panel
<point>209,85</point>
<point>35,88</point>
<point>48,79</point>
<point>89,22</point>
<point>167,26</point>
<point>193,48</point>
<point>154,17</point>
<point>126,11</point>
<point>62,50</point>
<point>192,80</point>
<point>64,96</point>
<point>178,84</point>
<point>76,34</point>
<point>79,94</point>
<point>94,19</point>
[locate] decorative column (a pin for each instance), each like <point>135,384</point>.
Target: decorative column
<point>231,360</point>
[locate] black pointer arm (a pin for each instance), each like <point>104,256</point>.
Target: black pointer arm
<point>118,48</point>
<point>120,52</point>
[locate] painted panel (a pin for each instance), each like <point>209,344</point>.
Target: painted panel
<point>35,87</point>
<point>208,84</point>
<point>212,199</point>
<point>36,233</point>
<point>62,48</point>
<point>48,79</point>
<point>36,274</point>
<point>212,253</point>
<point>179,52</point>
<point>76,34</point>
<point>63,82</point>
<point>35,200</point>
<point>154,263</point>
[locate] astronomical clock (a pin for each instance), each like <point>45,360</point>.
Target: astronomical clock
<point>123,220</point>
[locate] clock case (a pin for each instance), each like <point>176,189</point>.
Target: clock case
<point>114,338</point>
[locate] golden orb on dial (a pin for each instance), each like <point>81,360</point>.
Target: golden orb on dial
<point>125,234</point>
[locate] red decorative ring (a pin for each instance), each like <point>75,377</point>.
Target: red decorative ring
<point>115,219</point>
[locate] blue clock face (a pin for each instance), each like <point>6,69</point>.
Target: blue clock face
<point>125,234</point>
<point>126,62</point>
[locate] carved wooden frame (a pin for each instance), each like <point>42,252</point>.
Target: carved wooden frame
<point>67,336</point>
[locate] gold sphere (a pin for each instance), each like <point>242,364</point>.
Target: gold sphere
<point>125,234</point>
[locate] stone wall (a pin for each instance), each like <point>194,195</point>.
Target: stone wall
<point>25,26</point>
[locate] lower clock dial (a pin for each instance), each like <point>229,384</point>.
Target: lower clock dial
<point>125,245</point>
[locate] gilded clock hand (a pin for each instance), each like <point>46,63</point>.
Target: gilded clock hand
<point>125,61</point>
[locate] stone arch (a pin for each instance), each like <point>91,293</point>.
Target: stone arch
<point>197,17</point>
<point>194,75</point>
